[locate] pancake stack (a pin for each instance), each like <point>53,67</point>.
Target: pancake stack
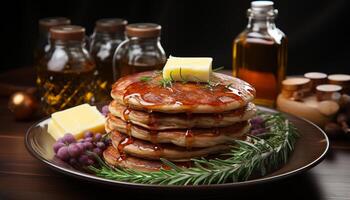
<point>151,119</point>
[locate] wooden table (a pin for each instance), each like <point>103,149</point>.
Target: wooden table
<point>24,177</point>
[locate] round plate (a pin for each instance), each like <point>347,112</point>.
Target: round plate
<point>310,149</point>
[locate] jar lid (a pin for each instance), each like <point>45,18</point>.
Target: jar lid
<point>315,75</point>
<point>261,5</point>
<point>110,25</point>
<point>68,32</point>
<point>143,30</point>
<point>46,23</point>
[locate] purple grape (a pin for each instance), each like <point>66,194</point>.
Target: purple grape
<point>257,122</point>
<point>62,153</point>
<point>83,159</point>
<point>60,140</point>
<point>88,134</point>
<point>90,162</point>
<point>98,136</point>
<point>258,131</point>
<point>108,141</point>
<point>57,146</point>
<point>89,139</point>
<point>100,145</point>
<point>98,151</point>
<point>105,110</point>
<point>81,146</point>
<point>69,138</point>
<point>88,145</point>
<point>73,161</point>
<point>74,150</point>
<point>80,140</point>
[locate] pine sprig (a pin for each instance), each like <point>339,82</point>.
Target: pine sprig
<point>257,155</point>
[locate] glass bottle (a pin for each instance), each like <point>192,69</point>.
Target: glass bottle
<point>107,36</point>
<point>66,73</point>
<point>45,24</point>
<point>260,53</point>
<point>141,51</point>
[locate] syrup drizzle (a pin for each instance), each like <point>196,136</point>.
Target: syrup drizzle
<point>189,139</point>
<point>126,113</point>
<point>126,141</point>
<point>151,95</point>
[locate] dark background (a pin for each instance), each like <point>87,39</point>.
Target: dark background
<point>317,30</point>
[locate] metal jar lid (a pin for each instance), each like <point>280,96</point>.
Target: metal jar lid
<point>110,25</point>
<point>46,23</point>
<point>143,30</point>
<point>68,32</point>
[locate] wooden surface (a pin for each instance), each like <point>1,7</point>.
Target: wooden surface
<point>23,177</point>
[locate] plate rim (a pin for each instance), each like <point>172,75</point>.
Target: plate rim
<point>93,178</point>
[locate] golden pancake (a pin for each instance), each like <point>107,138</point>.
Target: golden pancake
<point>146,150</point>
<point>181,137</point>
<point>222,93</point>
<point>164,121</point>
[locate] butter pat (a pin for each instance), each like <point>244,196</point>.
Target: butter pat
<point>76,121</point>
<point>196,69</point>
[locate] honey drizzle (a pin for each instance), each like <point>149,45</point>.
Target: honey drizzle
<point>126,141</point>
<point>189,139</point>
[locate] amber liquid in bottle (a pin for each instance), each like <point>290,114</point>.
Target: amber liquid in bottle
<point>104,79</point>
<point>65,89</point>
<point>126,68</point>
<point>262,63</point>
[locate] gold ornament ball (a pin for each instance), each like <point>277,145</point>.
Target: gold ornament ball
<point>22,105</point>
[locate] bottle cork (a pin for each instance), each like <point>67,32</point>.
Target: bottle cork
<point>295,88</point>
<point>342,80</point>
<point>328,92</point>
<point>316,78</point>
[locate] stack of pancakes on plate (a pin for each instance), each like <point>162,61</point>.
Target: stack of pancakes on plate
<point>151,119</point>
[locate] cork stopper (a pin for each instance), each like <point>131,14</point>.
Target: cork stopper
<point>328,92</point>
<point>68,33</point>
<point>342,80</point>
<point>143,30</point>
<point>316,78</point>
<point>46,23</point>
<point>110,25</point>
<point>295,88</point>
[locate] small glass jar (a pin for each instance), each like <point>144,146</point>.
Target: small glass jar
<point>107,36</point>
<point>66,74</point>
<point>45,24</point>
<point>141,51</point>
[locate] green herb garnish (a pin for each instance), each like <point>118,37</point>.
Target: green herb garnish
<point>211,85</point>
<point>145,78</point>
<point>258,154</point>
<point>218,69</point>
<point>166,82</point>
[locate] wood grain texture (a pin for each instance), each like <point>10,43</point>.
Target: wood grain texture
<point>23,177</point>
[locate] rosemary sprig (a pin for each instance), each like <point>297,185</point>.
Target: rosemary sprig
<point>255,155</point>
<point>218,69</point>
<point>211,85</point>
<point>145,78</point>
<point>166,82</point>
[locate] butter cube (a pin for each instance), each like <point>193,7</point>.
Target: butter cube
<point>76,121</point>
<point>196,69</point>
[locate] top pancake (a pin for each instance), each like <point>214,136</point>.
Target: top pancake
<point>144,91</point>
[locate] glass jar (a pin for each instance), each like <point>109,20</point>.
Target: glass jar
<point>107,36</point>
<point>141,51</point>
<point>45,24</point>
<point>260,53</point>
<point>66,74</point>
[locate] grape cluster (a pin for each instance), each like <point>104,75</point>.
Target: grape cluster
<point>258,125</point>
<point>75,151</point>
<point>105,110</point>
